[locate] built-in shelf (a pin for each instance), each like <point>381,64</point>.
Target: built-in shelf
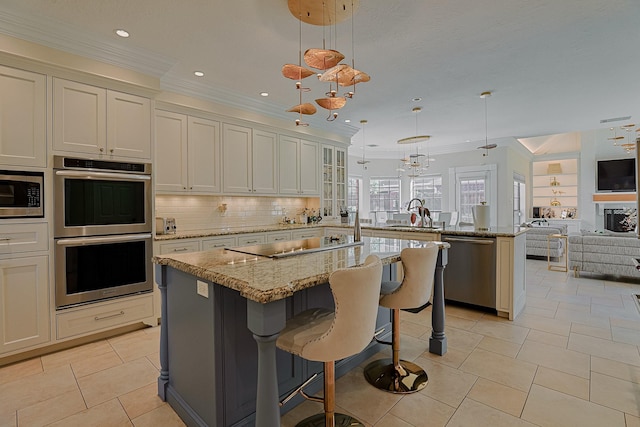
<point>555,189</point>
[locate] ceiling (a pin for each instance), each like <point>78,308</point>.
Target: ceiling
<point>553,66</point>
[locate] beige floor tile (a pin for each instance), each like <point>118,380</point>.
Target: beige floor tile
<point>66,357</point>
<point>459,322</point>
<point>410,347</point>
<point>52,410</point>
<point>584,318</point>
<point>608,301</point>
<point>413,329</point>
<point>562,382</point>
<point>20,370</point>
<point>560,359</point>
<point>140,401</point>
<point>113,382</point>
<point>616,393</point>
<point>421,411</point>
<point>501,369</point>
<point>8,419</point>
<point>547,407</point>
<point>446,384</point>
<point>300,412</point>
<point>462,312</point>
<point>626,323</point>
<point>553,326</point>
<point>472,413</point>
<point>355,395</point>
<point>392,421</point>
<point>106,414</point>
<point>36,388</point>
<point>461,339</point>
<point>548,338</point>
<point>508,332</point>
<point>541,302</point>
<point>592,331</point>
<point>93,364</point>
<point>537,311</point>
<point>624,335</point>
<point>453,357</point>
<point>632,421</point>
<point>498,396</point>
<point>621,352</point>
<point>136,345</point>
<point>580,308</point>
<point>506,348</point>
<point>616,369</point>
<point>162,416</point>
<point>155,360</point>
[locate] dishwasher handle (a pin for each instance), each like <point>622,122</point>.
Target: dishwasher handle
<point>477,241</point>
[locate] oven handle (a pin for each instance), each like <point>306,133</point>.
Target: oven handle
<point>79,241</point>
<point>103,175</point>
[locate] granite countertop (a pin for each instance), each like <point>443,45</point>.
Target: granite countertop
<point>457,230</point>
<point>264,279</point>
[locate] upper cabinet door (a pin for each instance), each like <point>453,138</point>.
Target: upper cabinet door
<point>22,118</point>
<point>265,162</point>
<point>79,117</point>
<point>204,156</point>
<point>236,159</point>
<point>171,152</point>
<point>128,125</point>
<point>309,168</point>
<point>288,172</point>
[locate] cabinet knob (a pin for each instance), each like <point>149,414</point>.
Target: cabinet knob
<point>101,150</point>
<point>111,150</point>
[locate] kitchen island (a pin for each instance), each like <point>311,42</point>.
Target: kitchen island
<point>217,305</point>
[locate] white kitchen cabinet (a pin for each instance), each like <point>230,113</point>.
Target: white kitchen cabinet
<point>22,118</point>
<point>334,181</point>
<point>187,154</point>
<point>20,238</point>
<point>278,236</point>
<point>218,242</point>
<point>24,306</point>
<point>299,163</point>
<point>251,239</point>
<point>179,246</point>
<point>306,234</point>
<point>100,122</point>
<point>249,159</point>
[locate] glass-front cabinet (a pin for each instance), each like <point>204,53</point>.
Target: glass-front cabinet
<point>334,181</point>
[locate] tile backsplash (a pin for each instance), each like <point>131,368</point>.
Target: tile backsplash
<point>193,213</point>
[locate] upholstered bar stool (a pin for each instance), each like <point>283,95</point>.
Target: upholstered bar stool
<point>395,375</point>
<point>325,336</point>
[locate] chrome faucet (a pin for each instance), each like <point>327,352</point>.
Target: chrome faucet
<point>423,211</point>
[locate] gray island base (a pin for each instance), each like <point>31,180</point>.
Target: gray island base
<point>221,315</point>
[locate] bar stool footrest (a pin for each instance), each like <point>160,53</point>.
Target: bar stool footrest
<point>383,375</point>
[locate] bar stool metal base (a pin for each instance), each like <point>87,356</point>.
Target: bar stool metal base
<point>383,375</point>
<point>318,420</point>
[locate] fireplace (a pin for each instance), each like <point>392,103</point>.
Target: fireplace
<point>613,219</point>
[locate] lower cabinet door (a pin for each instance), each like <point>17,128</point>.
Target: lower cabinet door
<point>24,306</point>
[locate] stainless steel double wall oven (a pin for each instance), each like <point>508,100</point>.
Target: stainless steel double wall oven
<point>102,229</point>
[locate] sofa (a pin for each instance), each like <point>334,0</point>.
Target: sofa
<point>604,252</point>
<point>536,245</point>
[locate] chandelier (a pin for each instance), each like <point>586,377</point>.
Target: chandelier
<point>417,163</point>
<point>618,140</point>
<point>325,13</point>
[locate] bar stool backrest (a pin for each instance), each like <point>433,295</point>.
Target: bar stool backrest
<point>356,292</point>
<point>419,265</point>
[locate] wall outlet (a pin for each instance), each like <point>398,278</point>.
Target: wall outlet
<point>203,289</point>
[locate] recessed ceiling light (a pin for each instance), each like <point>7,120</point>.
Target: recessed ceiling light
<point>347,120</point>
<point>199,73</point>
<point>122,33</point>
<point>264,93</point>
<point>372,145</point>
<point>417,99</point>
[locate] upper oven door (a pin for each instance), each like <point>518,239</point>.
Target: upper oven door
<point>91,203</point>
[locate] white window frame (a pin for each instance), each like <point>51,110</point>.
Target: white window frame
<point>487,172</point>
<point>427,204</point>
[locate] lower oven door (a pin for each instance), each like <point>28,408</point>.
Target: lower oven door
<point>90,269</point>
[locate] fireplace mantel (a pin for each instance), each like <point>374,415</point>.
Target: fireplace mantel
<point>615,197</point>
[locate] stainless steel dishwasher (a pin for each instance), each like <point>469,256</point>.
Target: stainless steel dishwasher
<point>470,275</point>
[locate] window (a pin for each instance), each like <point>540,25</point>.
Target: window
<point>384,194</point>
<point>353,193</point>
<point>429,189</point>
<point>472,192</point>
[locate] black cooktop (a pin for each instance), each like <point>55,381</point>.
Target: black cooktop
<point>297,247</point>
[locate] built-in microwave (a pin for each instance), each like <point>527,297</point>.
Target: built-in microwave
<point>21,194</point>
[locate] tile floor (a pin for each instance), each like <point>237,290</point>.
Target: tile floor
<point>572,358</point>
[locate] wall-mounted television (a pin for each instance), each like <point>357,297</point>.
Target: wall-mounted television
<point>617,175</point>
